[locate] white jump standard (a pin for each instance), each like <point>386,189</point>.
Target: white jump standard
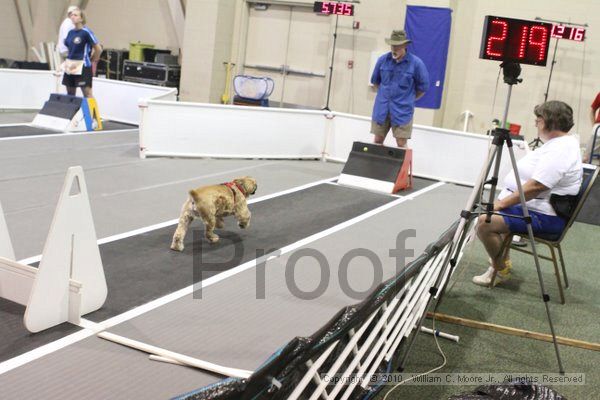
<point>69,281</point>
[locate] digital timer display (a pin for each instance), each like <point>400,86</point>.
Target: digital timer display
<point>516,40</point>
<point>567,32</point>
<point>333,7</point>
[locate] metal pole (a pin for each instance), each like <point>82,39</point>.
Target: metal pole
<point>536,142</point>
<point>551,69</point>
<point>595,136</point>
<point>331,64</point>
<point>545,296</point>
<point>284,67</point>
<point>505,115</point>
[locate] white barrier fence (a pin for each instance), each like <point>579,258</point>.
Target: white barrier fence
<point>178,129</point>
<point>26,89</point>
<point>371,345</point>
<point>207,130</point>
<point>117,100</point>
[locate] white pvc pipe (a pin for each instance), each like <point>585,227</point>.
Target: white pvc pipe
<point>468,114</point>
<point>154,357</point>
<point>386,338</point>
<point>341,358</point>
<point>186,360</point>
<point>400,332</point>
<point>311,371</point>
<point>317,379</point>
<point>437,333</point>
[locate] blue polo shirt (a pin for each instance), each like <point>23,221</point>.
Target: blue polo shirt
<point>80,43</point>
<point>398,84</point>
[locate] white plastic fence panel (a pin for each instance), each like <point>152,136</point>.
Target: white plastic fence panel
<point>455,156</point>
<point>207,130</point>
<point>347,129</point>
<point>118,100</point>
<point>444,154</point>
<point>26,89</point>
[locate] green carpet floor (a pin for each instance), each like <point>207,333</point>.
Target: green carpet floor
<point>517,303</point>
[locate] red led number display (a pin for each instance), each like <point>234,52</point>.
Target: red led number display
<point>567,32</point>
<point>333,7</point>
<point>508,39</point>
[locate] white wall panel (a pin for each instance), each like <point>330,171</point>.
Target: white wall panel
<point>25,89</point>
<point>438,153</point>
<point>118,100</point>
<point>205,130</point>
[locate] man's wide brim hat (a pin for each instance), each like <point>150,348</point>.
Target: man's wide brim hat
<point>397,38</point>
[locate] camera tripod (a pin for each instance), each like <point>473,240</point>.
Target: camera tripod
<point>475,207</point>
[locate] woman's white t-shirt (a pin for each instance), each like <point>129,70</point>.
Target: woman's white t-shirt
<point>556,165</point>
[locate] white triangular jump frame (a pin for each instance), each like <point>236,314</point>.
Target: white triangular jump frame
<point>69,281</point>
<point>6,249</point>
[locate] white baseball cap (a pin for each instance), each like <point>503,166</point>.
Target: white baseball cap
<point>71,9</point>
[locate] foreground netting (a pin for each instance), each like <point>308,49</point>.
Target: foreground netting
<point>342,359</point>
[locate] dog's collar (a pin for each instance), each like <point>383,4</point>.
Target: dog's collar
<point>231,185</point>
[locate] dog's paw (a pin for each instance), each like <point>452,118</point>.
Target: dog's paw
<point>177,246</point>
<point>244,225</point>
<point>213,238</point>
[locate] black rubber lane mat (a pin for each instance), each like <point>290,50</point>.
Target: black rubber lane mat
<point>26,130</point>
<point>116,126</point>
<point>417,184</point>
<point>15,339</point>
<point>142,268</point>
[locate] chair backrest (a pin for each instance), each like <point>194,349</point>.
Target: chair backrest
<point>590,172</point>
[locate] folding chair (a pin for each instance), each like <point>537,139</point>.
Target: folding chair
<point>553,241</point>
<point>595,137</point>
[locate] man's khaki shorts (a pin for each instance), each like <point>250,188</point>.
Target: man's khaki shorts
<point>399,131</point>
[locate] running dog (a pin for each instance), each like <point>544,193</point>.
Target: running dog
<point>213,203</point>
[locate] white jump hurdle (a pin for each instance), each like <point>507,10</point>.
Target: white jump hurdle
<point>69,281</point>
<point>6,249</point>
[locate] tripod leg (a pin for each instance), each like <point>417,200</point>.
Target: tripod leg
<point>545,296</point>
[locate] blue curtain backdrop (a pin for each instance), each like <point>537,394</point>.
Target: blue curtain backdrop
<point>429,30</point>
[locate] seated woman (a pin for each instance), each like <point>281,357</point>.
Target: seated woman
<point>553,168</point>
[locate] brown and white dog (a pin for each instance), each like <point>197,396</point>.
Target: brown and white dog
<point>211,204</point>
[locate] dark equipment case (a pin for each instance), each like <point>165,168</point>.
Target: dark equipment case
<point>111,63</point>
<point>152,73</point>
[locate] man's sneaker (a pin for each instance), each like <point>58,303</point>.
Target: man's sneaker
<point>486,278</point>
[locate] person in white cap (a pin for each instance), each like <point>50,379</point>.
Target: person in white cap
<point>63,31</point>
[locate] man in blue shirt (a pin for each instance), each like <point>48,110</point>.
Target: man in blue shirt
<point>83,49</point>
<point>400,79</point>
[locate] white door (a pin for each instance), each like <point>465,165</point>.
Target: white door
<point>291,46</point>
